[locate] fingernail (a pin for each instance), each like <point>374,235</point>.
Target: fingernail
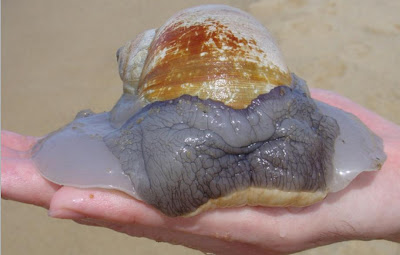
<point>65,214</point>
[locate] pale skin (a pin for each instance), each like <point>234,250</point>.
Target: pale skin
<point>369,208</point>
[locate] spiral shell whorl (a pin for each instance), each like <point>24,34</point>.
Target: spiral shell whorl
<point>131,58</point>
<point>213,52</point>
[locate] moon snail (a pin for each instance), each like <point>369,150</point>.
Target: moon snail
<point>210,116</point>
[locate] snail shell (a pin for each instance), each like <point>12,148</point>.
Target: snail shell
<point>213,52</point>
<point>211,117</point>
<point>216,53</point>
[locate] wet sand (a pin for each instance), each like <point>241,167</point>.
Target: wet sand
<point>58,57</point>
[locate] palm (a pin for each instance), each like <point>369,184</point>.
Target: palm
<point>255,230</point>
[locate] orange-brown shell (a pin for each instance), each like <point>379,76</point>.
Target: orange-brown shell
<point>213,52</point>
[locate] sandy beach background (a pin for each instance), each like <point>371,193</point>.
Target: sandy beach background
<point>58,57</point>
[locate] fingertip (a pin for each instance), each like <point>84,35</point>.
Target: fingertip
<point>17,141</point>
<point>108,205</point>
<point>65,214</point>
<point>21,182</point>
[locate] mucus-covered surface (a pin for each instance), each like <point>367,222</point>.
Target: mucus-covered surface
<point>183,152</point>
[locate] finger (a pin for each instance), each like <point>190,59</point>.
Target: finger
<point>74,203</point>
<point>109,205</point>
<point>226,224</point>
<point>16,141</point>
<point>7,152</point>
<point>120,212</point>
<point>204,243</point>
<point>375,122</point>
<point>341,102</point>
<point>21,182</point>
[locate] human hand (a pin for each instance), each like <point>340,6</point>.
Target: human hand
<point>367,209</point>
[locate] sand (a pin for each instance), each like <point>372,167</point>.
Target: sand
<point>58,57</point>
